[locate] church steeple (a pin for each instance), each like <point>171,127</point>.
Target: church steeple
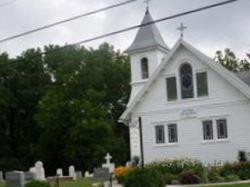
<point>148,37</point>
<point>146,53</point>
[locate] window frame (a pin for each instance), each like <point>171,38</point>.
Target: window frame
<point>205,136</point>
<point>174,140</point>
<point>219,136</point>
<point>144,68</point>
<point>167,89</point>
<point>193,90</point>
<point>197,84</point>
<point>157,141</point>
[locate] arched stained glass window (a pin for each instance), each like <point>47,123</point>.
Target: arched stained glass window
<point>186,78</point>
<point>144,68</point>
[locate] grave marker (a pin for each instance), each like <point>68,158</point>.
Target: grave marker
<point>15,179</point>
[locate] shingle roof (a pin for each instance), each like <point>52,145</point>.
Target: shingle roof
<point>147,36</point>
<point>245,76</point>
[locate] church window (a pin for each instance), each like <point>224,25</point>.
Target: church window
<point>160,134</point>
<point>171,88</point>
<point>172,133</point>
<point>202,87</point>
<point>144,68</point>
<point>222,128</point>
<point>186,78</point>
<point>208,130</point>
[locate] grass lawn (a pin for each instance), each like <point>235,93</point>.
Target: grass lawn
<point>233,185</point>
<point>77,183</point>
<point>1,184</point>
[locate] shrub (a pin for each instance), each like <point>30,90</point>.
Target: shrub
<point>189,177</point>
<point>146,177</point>
<point>37,184</point>
<point>231,178</point>
<point>244,172</point>
<point>169,178</point>
<point>120,172</point>
<point>178,166</point>
<point>213,175</point>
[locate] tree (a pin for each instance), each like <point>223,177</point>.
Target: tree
<point>229,60</point>
<point>78,114</point>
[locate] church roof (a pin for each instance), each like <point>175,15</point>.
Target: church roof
<point>245,76</point>
<point>148,37</point>
<point>232,78</point>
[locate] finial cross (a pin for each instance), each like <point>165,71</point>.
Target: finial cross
<point>147,3</point>
<point>182,28</point>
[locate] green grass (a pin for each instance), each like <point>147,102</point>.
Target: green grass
<point>77,183</point>
<point>1,184</point>
<point>233,185</point>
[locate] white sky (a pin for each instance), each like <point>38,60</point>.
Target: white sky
<point>211,30</point>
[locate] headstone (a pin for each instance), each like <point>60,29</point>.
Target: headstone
<point>78,174</point>
<point>1,176</point>
<point>29,176</point>
<point>102,174</point>
<point>59,172</point>
<point>108,164</point>
<point>15,179</point>
<point>86,174</point>
<point>40,173</point>
<point>72,172</point>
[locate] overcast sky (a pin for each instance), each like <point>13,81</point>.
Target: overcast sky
<point>211,30</point>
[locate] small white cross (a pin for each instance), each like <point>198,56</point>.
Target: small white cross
<point>108,158</point>
<point>182,28</point>
<point>147,3</point>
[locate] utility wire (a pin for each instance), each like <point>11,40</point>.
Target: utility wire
<point>145,24</point>
<point>66,20</point>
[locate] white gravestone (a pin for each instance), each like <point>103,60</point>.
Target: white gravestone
<point>72,172</point>
<point>59,172</point>
<point>1,176</point>
<point>108,164</point>
<point>40,173</point>
<point>86,174</point>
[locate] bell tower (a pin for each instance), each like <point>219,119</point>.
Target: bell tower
<point>146,53</point>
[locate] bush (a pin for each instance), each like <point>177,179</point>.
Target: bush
<point>146,177</point>
<point>189,177</point>
<point>169,178</point>
<point>213,175</point>
<point>37,184</point>
<point>244,172</point>
<point>231,178</point>
<point>120,172</point>
<point>177,166</point>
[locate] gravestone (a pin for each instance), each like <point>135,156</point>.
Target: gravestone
<point>15,179</point>
<point>29,176</point>
<point>102,174</point>
<point>78,174</point>
<point>1,176</point>
<point>59,172</point>
<point>72,172</point>
<point>39,170</point>
<point>86,174</point>
<point>108,164</point>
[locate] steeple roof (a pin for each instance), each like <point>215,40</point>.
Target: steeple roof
<point>147,37</point>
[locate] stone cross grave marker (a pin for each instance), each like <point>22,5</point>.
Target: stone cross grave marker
<point>15,179</point>
<point>108,164</point>
<point>72,172</point>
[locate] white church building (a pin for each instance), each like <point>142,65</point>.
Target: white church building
<point>186,104</point>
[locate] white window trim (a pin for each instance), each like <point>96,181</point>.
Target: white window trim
<point>215,132</point>
<point>178,85</point>
<point>166,144</point>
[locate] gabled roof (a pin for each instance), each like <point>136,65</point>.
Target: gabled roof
<point>227,75</point>
<point>245,76</point>
<point>147,37</point>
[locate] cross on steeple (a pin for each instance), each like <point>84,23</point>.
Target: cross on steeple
<point>182,28</point>
<point>147,3</point>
